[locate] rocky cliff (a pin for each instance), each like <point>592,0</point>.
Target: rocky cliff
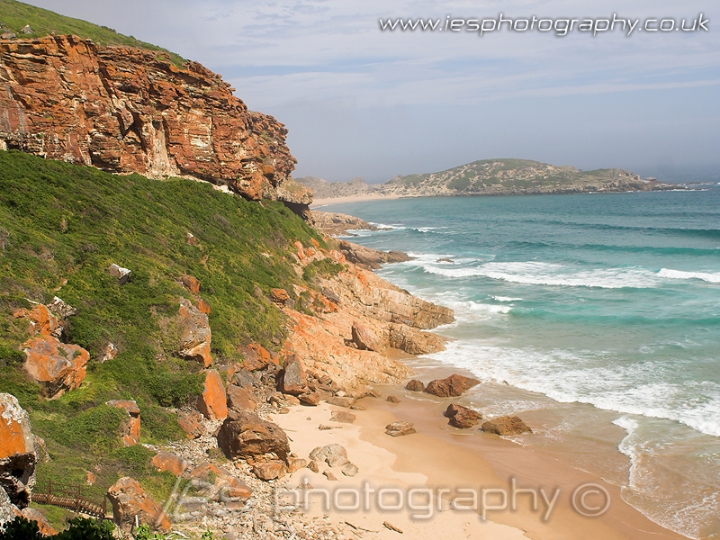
<point>126,110</point>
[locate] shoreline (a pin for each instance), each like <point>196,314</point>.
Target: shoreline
<point>439,457</point>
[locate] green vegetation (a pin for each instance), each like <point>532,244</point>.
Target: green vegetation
<point>324,268</point>
<point>61,226</point>
<point>16,15</point>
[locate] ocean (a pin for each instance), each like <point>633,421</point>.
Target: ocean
<point>594,317</point>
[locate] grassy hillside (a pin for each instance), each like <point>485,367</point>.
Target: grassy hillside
<point>61,226</point>
<point>15,15</point>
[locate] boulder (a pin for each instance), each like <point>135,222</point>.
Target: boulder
<point>167,462</point>
<point>462,417</point>
<point>213,401</point>
<point>131,427</point>
<point>365,339</point>
<point>505,426</point>
<point>129,499</point>
<point>256,357</point>
<point>343,417</point>
<point>415,386</point>
<point>220,484</point>
<point>191,284</point>
<point>330,475</point>
<point>332,454</point>
<point>191,423</point>
<point>399,429</point>
<point>42,321</point>
<point>392,399</point>
<point>314,466</point>
<point>240,399</point>
<point>311,399</point>
<point>295,464</point>
<point>196,336</point>
<point>61,309</point>
<point>292,378</point>
<point>349,469</point>
<point>246,435</point>
<point>118,272</point>
<point>110,353</point>
<point>270,470</point>
<point>346,402</point>
<point>452,386</point>
<point>17,452</point>
<point>279,296</point>
<point>57,367</point>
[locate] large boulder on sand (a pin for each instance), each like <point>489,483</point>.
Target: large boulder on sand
<point>334,455</point>
<point>246,435</point>
<point>292,379</point>
<point>462,417</point>
<point>506,425</point>
<point>56,366</point>
<point>400,429</point>
<point>452,386</point>
<point>129,499</point>
<point>415,386</point>
<point>17,452</point>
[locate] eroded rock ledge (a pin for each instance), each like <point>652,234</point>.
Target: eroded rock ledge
<point>128,110</point>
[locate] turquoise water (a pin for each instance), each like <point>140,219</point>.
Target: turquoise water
<point>597,316</point>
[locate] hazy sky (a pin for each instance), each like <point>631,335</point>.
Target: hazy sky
<point>361,102</point>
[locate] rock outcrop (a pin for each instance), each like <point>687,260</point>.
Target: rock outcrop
<point>453,386</point>
<point>126,110</point>
<point>57,367</point>
<point>131,426</point>
<point>196,335</point>
<point>370,258</point>
<point>462,417</point>
<point>17,452</point>
<point>129,499</point>
<point>246,435</point>
<point>213,401</point>
<point>505,426</point>
<point>400,429</point>
<point>335,224</point>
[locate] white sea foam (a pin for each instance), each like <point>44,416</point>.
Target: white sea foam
<point>584,377</point>
<point>711,277</point>
<point>505,299</point>
<point>537,273</point>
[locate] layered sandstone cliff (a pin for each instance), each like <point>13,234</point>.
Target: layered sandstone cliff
<point>127,110</point>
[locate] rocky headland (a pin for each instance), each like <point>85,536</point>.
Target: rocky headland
<point>487,177</point>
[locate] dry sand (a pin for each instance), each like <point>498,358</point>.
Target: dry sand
<point>318,203</point>
<point>442,457</point>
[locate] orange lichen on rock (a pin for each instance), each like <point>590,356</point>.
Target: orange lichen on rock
<point>58,367</point>
<point>213,401</point>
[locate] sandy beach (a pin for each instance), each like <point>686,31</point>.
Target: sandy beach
<point>319,203</point>
<point>446,461</point>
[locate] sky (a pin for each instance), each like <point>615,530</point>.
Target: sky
<point>358,101</point>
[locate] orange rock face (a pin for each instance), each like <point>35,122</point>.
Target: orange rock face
<point>131,427</point>
<point>32,514</point>
<point>42,321</point>
<point>56,366</point>
<point>167,462</point>
<point>213,401</point>
<point>17,452</point>
<point>129,499</point>
<point>191,284</point>
<point>191,423</point>
<point>129,110</point>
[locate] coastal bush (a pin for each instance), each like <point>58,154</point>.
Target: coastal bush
<point>61,227</point>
